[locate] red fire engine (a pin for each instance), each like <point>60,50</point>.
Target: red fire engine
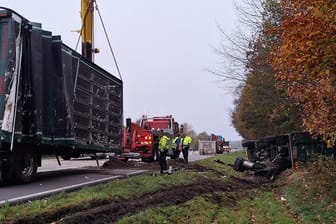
<point>142,139</point>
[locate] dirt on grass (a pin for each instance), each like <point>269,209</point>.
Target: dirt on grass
<point>137,164</point>
<point>176,165</point>
<point>107,211</point>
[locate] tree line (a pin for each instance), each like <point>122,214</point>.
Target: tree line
<point>287,74</point>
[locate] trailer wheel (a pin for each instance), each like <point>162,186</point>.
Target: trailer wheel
<point>66,156</point>
<point>25,167</point>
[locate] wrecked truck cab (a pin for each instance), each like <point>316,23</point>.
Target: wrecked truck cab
<point>270,156</point>
<point>266,156</point>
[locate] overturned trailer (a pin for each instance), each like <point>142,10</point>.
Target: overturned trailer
<point>271,155</point>
<point>52,100</point>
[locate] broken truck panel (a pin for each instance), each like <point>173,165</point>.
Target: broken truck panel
<point>271,155</point>
<point>52,100</point>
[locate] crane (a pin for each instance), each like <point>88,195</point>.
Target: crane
<point>87,32</point>
<point>87,16</point>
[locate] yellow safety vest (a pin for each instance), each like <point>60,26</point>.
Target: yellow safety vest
<point>164,143</point>
<point>187,140</point>
<point>174,145</point>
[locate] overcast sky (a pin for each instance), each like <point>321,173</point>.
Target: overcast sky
<point>163,48</point>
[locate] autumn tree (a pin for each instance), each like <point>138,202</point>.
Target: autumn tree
<point>305,62</point>
<point>196,137</point>
<point>233,47</point>
<point>203,136</point>
<point>262,110</point>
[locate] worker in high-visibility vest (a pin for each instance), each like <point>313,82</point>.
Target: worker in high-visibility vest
<point>175,146</point>
<point>163,149</point>
<point>186,142</point>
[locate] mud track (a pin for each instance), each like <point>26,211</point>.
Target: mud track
<point>108,211</point>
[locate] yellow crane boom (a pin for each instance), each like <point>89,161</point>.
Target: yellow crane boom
<point>87,8</point>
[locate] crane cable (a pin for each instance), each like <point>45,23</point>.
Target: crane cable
<point>108,41</point>
<point>107,38</point>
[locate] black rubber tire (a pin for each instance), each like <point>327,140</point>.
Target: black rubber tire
<point>66,156</point>
<point>77,155</point>
<point>237,166</point>
<point>147,159</point>
<point>25,166</point>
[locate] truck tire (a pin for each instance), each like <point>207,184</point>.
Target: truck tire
<point>146,159</point>
<point>66,156</point>
<point>237,166</point>
<point>25,166</point>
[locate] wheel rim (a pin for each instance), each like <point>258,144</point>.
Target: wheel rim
<point>28,164</point>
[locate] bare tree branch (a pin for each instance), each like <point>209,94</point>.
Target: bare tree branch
<point>233,50</point>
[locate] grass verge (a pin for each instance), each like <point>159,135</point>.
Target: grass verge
<point>303,196</point>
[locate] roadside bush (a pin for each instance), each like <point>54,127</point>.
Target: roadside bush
<point>312,193</point>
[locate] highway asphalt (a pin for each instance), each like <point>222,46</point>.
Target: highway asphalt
<point>71,175</point>
<point>66,178</point>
